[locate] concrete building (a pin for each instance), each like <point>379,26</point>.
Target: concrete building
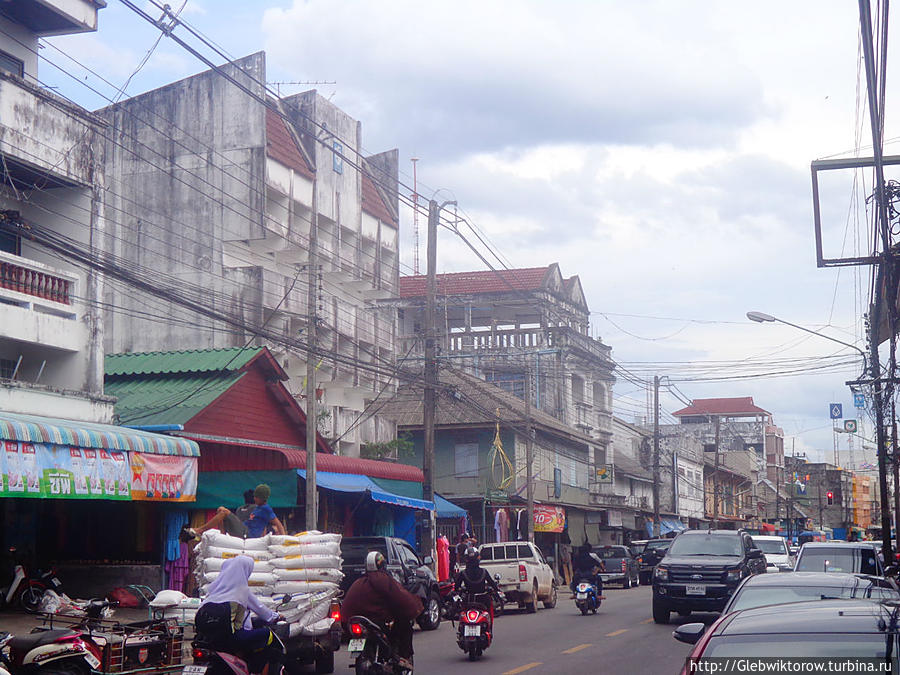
<point>215,191</point>
<point>51,330</point>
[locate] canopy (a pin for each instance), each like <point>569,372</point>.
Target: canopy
<point>226,488</point>
<point>34,429</point>
<point>447,509</point>
<point>349,482</point>
<point>667,524</point>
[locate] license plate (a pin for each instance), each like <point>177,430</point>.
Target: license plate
<point>194,670</point>
<point>695,589</point>
<point>356,645</point>
<point>581,596</point>
<point>92,660</point>
<point>472,631</point>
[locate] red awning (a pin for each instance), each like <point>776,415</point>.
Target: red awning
<point>767,527</point>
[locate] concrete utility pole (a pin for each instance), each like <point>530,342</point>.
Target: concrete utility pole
<point>529,455</point>
<point>716,481</point>
<point>656,523</point>
<point>312,495</point>
<point>431,374</point>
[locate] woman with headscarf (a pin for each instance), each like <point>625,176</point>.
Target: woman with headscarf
<point>224,616</point>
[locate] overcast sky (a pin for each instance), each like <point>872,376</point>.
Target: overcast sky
<point>659,150</point>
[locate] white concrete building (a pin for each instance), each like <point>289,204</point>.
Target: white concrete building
<point>51,349</point>
<point>215,191</point>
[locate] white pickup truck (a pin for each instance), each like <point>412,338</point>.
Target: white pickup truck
<point>525,576</point>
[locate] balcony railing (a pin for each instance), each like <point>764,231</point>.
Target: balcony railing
<point>26,282</point>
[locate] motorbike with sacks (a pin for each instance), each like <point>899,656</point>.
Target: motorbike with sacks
<point>213,656</point>
<point>586,597</point>
<point>476,623</point>
<point>373,651</point>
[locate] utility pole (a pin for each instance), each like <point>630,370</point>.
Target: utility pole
<point>529,455</point>
<point>716,481</point>
<point>778,482</point>
<point>821,482</point>
<point>896,467</point>
<point>656,523</point>
<point>431,374</point>
<point>312,495</point>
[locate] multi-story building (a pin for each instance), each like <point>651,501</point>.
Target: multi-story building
<point>215,192</point>
<point>834,497</point>
<point>51,328</point>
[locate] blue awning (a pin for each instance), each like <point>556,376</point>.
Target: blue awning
<point>666,525</point>
<point>447,509</point>
<point>351,482</point>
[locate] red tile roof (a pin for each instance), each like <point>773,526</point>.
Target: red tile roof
<point>470,283</point>
<point>730,407</point>
<point>281,147</point>
<point>373,204</point>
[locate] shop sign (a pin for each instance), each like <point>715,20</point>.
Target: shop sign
<point>163,478</point>
<point>549,518</point>
<point>63,472</point>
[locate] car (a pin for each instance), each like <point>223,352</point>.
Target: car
<point>701,570</point>
<point>525,576</point>
<point>830,628</point>
<point>637,546</point>
<point>650,555</point>
<point>413,573</point>
<point>853,557</point>
<point>778,555</point>
<point>621,566</point>
<point>760,590</point>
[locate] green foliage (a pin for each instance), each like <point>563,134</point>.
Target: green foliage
<point>402,447</point>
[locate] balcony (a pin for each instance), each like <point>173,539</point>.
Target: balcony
<point>37,304</point>
<point>55,17</point>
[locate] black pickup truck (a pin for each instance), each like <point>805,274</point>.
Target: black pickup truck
<point>403,563</point>
<point>652,552</point>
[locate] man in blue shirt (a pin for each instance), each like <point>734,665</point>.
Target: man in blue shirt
<point>255,523</point>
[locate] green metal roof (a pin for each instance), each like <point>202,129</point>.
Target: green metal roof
<point>189,361</point>
<point>166,400</point>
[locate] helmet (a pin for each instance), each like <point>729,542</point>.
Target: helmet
<point>375,561</point>
<point>472,555</point>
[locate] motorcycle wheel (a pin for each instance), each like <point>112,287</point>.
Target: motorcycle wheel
<point>584,610</point>
<point>64,669</point>
<point>474,653</point>
<point>324,663</point>
<point>30,598</point>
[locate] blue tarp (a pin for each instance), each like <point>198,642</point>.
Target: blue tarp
<point>666,525</point>
<point>351,482</point>
<point>447,509</point>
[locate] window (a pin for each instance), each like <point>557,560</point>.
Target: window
<point>11,64</point>
<point>337,156</point>
<point>466,460</point>
<point>514,383</point>
<point>408,557</point>
<point>7,366</point>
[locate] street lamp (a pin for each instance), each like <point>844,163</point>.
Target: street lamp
<point>760,317</point>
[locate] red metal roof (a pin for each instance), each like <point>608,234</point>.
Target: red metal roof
<point>730,407</point>
<point>470,283</point>
<point>281,147</point>
<point>373,204</point>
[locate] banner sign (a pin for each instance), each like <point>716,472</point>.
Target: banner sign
<point>163,478</point>
<point>549,518</point>
<point>836,411</point>
<point>605,474</point>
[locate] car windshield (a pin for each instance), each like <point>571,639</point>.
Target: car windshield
<point>656,545</point>
<point>354,552</point>
<point>798,645</point>
<point>705,544</point>
<point>773,546</point>
<point>749,596</point>
<point>838,559</point>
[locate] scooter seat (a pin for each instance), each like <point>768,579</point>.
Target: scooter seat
<point>44,637</point>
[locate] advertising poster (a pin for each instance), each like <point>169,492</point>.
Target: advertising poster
<point>163,478</point>
<point>549,518</point>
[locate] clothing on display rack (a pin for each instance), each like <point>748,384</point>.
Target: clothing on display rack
<point>443,558</point>
<point>502,520</point>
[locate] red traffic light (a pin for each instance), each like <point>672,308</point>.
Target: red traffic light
<point>829,494</point>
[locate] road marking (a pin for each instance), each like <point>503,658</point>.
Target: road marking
<point>617,632</point>
<point>572,650</point>
<point>650,620</point>
<point>522,669</point>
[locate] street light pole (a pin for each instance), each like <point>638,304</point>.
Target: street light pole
<point>760,317</point>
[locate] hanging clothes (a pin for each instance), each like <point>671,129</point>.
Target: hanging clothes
<point>175,520</point>
<point>178,570</point>
<point>497,525</point>
<point>384,522</point>
<point>502,521</point>
<point>443,558</point>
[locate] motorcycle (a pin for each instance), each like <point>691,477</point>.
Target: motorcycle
<point>210,659</point>
<point>24,590</point>
<point>586,597</point>
<point>372,649</point>
<point>446,588</point>
<point>49,651</point>
<point>476,626</point>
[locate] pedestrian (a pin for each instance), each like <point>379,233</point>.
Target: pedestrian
<point>565,558</point>
<point>252,522</point>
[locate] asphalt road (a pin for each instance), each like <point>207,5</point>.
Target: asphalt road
<point>620,638</point>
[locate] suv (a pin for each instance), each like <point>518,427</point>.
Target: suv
<point>651,553</point>
<point>700,571</point>
<point>403,563</point>
<point>839,556</point>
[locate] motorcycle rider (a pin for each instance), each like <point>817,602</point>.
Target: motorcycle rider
<point>587,567</point>
<point>474,580</point>
<point>380,598</point>
<point>224,616</point>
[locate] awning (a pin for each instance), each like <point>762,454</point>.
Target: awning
<point>226,488</point>
<point>447,509</point>
<point>349,482</point>
<point>666,525</point>
<point>766,527</point>
<point>34,429</point>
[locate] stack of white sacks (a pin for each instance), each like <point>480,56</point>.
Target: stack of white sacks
<point>296,575</point>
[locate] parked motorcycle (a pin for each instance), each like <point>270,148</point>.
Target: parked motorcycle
<point>24,590</point>
<point>372,651</point>
<point>48,652</point>
<point>586,597</point>
<point>446,589</point>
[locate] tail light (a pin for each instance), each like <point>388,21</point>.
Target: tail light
<point>356,628</point>
<point>199,654</point>
<point>640,560</point>
<point>624,566</point>
<point>523,572</point>
<point>335,611</point>
<point>472,615</point>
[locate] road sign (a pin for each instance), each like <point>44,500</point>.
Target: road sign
<point>850,426</point>
<point>859,400</point>
<point>836,410</point>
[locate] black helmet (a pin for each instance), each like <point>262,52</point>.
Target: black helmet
<point>471,555</point>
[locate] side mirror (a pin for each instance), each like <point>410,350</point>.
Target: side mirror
<point>428,560</point>
<point>755,553</point>
<point>689,633</point>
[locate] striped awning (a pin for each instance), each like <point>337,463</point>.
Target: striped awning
<point>34,429</point>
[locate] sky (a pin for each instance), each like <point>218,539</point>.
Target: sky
<point>659,150</point>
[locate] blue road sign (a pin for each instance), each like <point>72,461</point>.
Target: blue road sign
<point>836,410</point>
<point>859,400</point>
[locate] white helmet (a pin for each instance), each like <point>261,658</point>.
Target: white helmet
<point>375,561</point>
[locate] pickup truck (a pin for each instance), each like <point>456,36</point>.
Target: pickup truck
<point>413,573</point>
<point>621,566</point>
<point>525,576</point>
<point>652,552</point>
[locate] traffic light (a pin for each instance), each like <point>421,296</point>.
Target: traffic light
<point>830,496</point>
